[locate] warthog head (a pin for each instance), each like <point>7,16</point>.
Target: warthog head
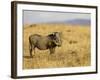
<point>57,38</point>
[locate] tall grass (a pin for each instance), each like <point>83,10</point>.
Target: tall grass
<point>74,52</point>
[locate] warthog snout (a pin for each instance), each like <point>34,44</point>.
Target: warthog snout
<point>58,43</point>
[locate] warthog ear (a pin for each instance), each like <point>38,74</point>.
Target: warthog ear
<point>53,33</point>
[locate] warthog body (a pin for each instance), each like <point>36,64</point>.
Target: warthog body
<point>44,42</point>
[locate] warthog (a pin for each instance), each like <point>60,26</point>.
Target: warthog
<point>50,42</point>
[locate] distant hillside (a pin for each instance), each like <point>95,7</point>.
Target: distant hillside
<point>74,22</point>
<point>83,22</point>
<point>79,22</point>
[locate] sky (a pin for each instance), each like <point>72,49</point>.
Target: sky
<point>35,17</point>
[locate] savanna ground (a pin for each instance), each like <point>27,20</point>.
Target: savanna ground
<point>74,52</point>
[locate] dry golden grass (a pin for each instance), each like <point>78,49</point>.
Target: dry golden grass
<point>74,52</point>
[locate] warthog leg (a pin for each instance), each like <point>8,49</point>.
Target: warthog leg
<point>30,49</point>
<point>52,50</point>
<point>34,49</point>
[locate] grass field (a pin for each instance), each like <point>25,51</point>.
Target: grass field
<point>74,52</point>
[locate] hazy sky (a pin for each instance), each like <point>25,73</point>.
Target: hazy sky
<point>31,17</point>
